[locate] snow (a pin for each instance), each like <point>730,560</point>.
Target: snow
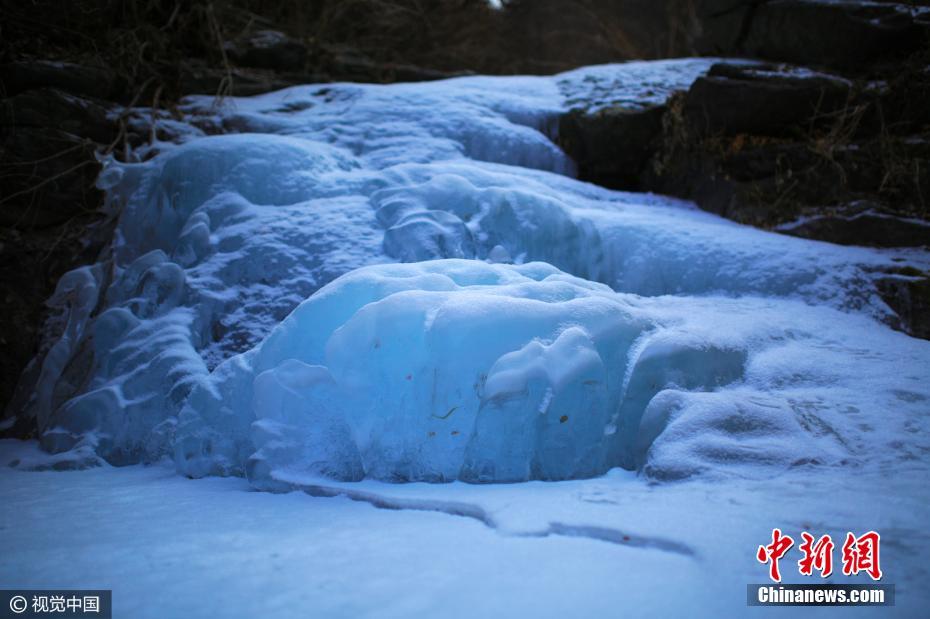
<point>172,547</point>
<point>332,287</point>
<point>638,85</point>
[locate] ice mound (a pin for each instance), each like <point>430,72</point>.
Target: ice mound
<point>462,369</point>
<point>447,370</point>
<point>434,371</point>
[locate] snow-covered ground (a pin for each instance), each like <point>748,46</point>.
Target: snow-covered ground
<point>611,546</point>
<point>712,381</point>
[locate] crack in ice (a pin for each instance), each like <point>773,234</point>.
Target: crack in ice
<point>461,509</point>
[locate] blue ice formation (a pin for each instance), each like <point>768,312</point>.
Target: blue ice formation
<point>286,261</point>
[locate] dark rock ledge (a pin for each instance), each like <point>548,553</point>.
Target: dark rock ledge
<point>824,135</point>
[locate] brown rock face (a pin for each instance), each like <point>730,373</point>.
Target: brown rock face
<point>762,99</point>
<point>611,146</point>
<point>909,297</point>
<point>50,212</point>
<point>827,139</point>
<point>843,35</point>
<point>771,144</point>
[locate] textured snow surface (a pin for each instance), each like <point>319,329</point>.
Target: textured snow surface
<point>536,328</point>
<point>638,85</point>
<point>172,547</point>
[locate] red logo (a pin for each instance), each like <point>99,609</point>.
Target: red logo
<point>817,556</point>
<point>860,554</point>
<point>773,552</point>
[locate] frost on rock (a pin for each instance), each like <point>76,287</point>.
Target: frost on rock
<point>640,84</point>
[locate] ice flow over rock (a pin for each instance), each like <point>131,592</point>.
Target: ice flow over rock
<point>160,348</point>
